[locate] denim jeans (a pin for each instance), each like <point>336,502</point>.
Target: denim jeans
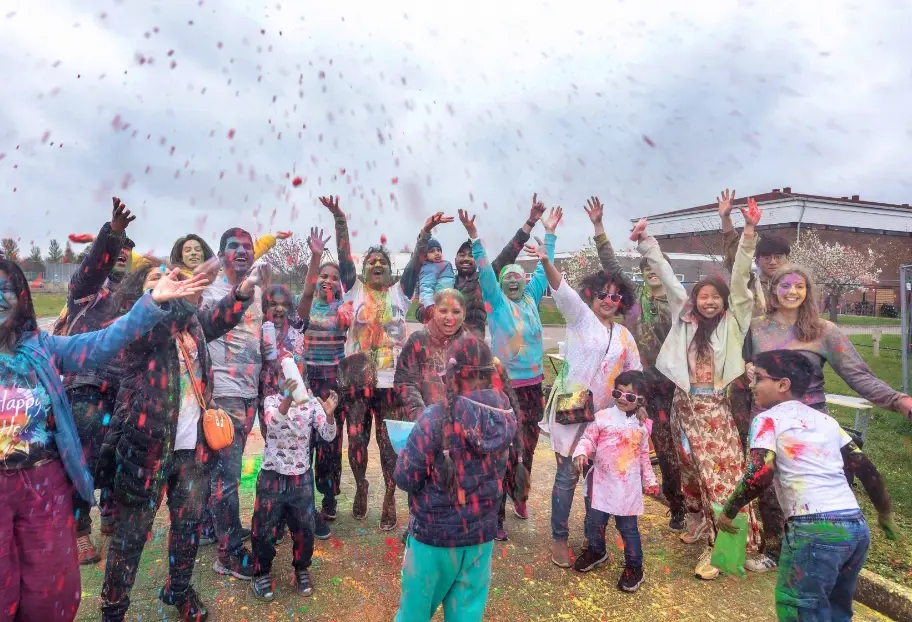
<point>224,506</point>
<point>597,522</point>
<point>93,413</point>
<point>565,480</point>
<point>822,555</point>
<point>187,494</point>
<point>280,500</point>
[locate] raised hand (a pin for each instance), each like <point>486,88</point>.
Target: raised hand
<point>332,205</point>
<point>554,218</point>
<point>538,209</point>
<point>283,235</point>
<point>169,288</point>
<point>258,274</point>
<point>752,213</point>
<point>209,269</point>
<point>316,242</point>
<point>639,231</point>
<point>468,223</point>
<point>120,216</point>
<point>537,250</point>
<point>436,219</point>
<point>725,203</point>
<point>889,526</point>
<point>594,210</point>
<point>330,403</point>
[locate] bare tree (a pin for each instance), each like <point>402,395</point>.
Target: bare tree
<point>288,261</point>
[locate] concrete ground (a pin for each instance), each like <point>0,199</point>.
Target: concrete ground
<point>356,572</point>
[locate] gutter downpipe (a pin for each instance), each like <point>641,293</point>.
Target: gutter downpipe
<point>800,220</point>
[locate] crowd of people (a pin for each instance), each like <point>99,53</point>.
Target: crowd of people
<point>157,370</point>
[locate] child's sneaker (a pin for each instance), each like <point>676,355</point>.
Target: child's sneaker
<point>329,507</point>
<point>501,535</point>
<point>589,561</point>
<point>238,565</point>
<point>303,583</point>
<point>321,529</point>
<point>760,563</point>
<point>262,589</point>
<point>631,579</point>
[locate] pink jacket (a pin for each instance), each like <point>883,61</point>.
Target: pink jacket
<point>618,445</point>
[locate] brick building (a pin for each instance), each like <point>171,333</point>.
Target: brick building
<point>885,227</point>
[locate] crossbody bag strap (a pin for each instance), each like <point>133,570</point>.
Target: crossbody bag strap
<point>197,390</point>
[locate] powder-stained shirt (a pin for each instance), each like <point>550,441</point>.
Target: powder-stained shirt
<point>809,467</point>
<point>379,327</point>
<point>237,357</point>
<point>618,446</point>
<point>190,411</point>
<point>289,436</point>
<point>324,339</point>
<point>26,418</point>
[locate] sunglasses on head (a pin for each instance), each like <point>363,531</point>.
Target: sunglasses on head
<point>633,398</point>
<point>611,297</point>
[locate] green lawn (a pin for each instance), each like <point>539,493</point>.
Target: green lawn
<point>865,320</point>
<point>888,445</point>
<point>48,304</point>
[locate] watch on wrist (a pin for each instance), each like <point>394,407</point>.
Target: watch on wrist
<point>531,223</point>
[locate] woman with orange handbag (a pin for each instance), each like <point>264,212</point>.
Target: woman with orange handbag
<point>168,439</point>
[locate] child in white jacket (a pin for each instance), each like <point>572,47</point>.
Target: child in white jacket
<point>617,445</point>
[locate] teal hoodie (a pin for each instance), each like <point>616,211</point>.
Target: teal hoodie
<point>516,328</point>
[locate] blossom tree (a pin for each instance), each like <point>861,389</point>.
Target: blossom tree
<point>288,261</point>
<point>836,269</point>
<point>582,262</point>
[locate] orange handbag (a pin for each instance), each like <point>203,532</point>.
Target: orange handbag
<point>217,425</point>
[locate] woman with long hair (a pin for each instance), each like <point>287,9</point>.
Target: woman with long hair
<point>702,356</point>
<point>41,459</point>
<point>160,442</point>
<point>453,467</point>
<point>377,333</point>
<point>599,349</point>
<point>793,322</point>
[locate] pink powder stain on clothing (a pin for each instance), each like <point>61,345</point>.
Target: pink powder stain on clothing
<point>794,449</point>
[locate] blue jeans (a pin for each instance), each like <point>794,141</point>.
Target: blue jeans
<point>821,557</point>
<point>565,480</point>
<point>597,522</point>
<point>224,505</point>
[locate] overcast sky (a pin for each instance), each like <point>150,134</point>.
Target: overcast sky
<point>199,114</point>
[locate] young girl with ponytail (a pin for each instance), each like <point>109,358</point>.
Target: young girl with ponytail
<point>453,468</point>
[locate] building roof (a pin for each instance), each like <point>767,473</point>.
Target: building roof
<point>784,194</point>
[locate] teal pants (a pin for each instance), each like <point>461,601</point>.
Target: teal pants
<point>459,578</point>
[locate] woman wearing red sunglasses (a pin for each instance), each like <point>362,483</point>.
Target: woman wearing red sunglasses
<point>598,350</point>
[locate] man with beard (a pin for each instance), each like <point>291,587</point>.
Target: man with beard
<point>476,316</point>
<point>236,363</point>
<point>93,393</point>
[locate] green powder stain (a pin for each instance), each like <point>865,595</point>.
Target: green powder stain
<point>250,469</point>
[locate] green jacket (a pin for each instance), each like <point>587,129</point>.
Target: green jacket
<point>728,338</point>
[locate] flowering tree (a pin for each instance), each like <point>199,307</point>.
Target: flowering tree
<point>582,262</point>
<point>836,269</point>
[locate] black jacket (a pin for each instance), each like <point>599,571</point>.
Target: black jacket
<point>135,456</point>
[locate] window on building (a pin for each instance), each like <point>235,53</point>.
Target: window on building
<point>680,277</point>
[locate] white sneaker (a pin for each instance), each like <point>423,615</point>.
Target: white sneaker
<point>760,563</point>
<point>705,570</point>
<point>695,527</point>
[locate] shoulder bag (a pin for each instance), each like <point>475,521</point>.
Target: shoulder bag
<point>217,425</point>
<point>578,406</point>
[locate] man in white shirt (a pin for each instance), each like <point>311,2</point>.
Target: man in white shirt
<point>803,452</point>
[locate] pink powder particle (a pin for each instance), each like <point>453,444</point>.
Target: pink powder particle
<point>395,180</point>
<point>230,133</point>
<point>297,181</point>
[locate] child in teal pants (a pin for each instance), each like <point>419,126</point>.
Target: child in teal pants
<point>453,466</point>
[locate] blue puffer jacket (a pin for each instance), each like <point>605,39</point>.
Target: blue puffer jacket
<point>486,426</point>
<point>51,355</point>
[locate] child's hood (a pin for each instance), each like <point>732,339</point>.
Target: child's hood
<point>485,421</point>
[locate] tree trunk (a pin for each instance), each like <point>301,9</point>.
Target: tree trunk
<point>834,313</point>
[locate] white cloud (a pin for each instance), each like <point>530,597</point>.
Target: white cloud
<point>489,100</point>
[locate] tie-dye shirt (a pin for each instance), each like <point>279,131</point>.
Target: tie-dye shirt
<point>809,466</point>
<point>379,327</point>
<point>26,418</point>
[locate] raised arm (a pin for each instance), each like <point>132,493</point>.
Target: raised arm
<point>538,284</point>
<point>649,248</point>
<point>317,245</point>
<point>568,301</point>
<point>102,255</point>
<point>410,274</point>
<point>347,272</point>
<point>217,320</point>
<point>610,264</point>
<point>95,349</point>
<point>741,299</point>
<point>266,243</point>
<point>730,236</point>
<point>510,252</point>
<point>490,289</point>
